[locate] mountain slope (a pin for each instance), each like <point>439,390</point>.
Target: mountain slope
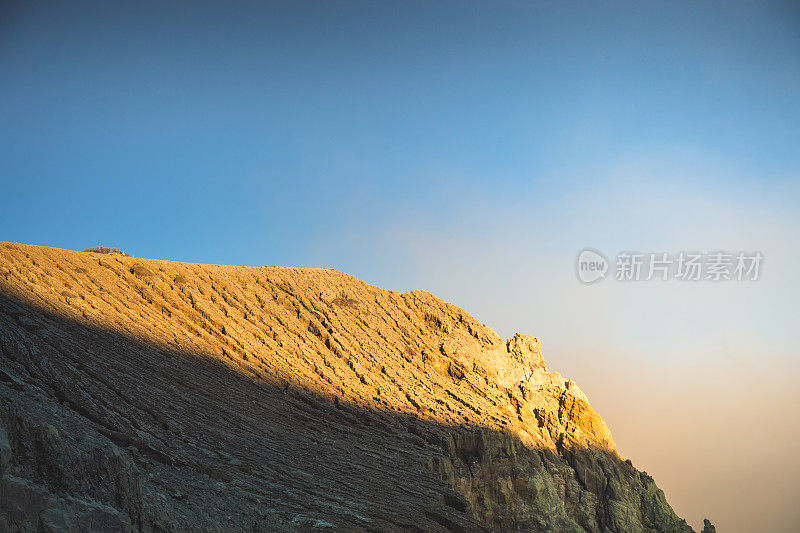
<point>144,394</point>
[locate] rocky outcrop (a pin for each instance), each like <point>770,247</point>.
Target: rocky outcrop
<point>150,395</point>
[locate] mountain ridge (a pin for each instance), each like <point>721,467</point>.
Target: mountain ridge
<point>181,376</point>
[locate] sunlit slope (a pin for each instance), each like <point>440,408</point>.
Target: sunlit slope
<point>269,379</point>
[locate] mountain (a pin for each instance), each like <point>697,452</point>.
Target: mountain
<point>152,395</point>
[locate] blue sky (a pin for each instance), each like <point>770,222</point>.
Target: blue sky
<point>461,148</point>
<point>465,148</point>
<point>243,133</point>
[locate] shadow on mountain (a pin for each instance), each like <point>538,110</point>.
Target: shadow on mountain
<point>102,431</point>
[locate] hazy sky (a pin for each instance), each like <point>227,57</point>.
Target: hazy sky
<point>469,150</point>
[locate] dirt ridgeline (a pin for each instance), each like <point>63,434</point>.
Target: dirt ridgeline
<point>151,395</point>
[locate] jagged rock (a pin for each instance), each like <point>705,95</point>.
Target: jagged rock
<point>151,395</point>
<point>526,349</point>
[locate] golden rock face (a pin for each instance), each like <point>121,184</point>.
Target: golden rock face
<point>496,438</point>
<point>317,329</point>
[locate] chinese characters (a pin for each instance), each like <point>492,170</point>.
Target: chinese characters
<point>688,266</point>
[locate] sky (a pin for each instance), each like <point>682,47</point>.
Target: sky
<point>471,150</point>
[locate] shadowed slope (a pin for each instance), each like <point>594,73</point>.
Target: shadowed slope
<point>177,396</point>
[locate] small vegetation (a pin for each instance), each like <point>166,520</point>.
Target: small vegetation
<point>343,300</point>
<point>433,321</point>
<point>179,279</point>
<point>105,250</point>
<point>140,270</point>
